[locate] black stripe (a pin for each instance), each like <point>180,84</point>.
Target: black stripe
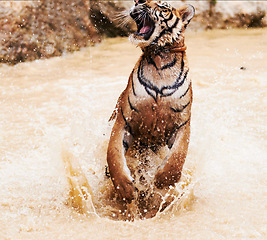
<point>124,117</point>
<point>154,10</point>
<point>126,123</point>
<point>171,141</point>
<point>149,87</point>
<point>177,83</point>
<point>166,30</point>
<point>125,145</point>
<point>160,35</point>
<point>146,83</point>
<point>151,61</point>
<point>175,86</point>
<point>171,16</point>
<point>178,79</point>
<point>183,124</point>
<point>131,106</point>
<point>171,64</point>
<point>182,66</point>
<point>174,25</point>
<point>133,86</point>
<point>180,109</point>
<point>182,63</point>
<point>162,7</point>
<point>149,91</point>
<point>186,91</point>
<point>168,19</point>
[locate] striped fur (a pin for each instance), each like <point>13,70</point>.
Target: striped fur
<point>155,107</point>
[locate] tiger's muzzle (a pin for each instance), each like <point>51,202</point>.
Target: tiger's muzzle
<point>145,24</point>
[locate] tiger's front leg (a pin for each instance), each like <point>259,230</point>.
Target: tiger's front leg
<point>170,172</point>
<point>119,142</point>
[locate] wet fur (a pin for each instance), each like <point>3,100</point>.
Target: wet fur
<point>155,108</point>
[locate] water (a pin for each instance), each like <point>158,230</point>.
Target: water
<point>54,135</point>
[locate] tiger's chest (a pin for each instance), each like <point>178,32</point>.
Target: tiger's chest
<point>152,120</point>
<point>160,97</point>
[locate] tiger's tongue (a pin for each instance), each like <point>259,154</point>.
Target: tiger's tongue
<point>145,29</point>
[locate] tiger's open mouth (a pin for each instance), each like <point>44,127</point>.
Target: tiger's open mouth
<point>145,26</point>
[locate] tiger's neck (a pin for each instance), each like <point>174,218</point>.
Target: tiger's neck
<point>164,58</point>
<point>168,48</point>
<point>163,73</point>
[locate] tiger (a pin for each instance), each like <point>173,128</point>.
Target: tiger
<point>155,107</point>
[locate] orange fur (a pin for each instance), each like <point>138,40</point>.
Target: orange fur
<point>155,108</point>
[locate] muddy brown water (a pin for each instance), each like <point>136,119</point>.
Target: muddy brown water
<point>54,135</point>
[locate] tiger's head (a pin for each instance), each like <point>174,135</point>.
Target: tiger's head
<point>159,24</point>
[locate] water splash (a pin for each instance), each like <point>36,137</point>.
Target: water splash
<point>80,192</point>
<point>149,201</point>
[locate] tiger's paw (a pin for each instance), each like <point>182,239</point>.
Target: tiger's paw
<point>166,178</point>
<point>124,187</point>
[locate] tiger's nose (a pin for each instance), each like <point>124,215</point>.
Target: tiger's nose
<point>135,11</point>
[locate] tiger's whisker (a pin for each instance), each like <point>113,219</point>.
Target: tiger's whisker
<point>124,23</point>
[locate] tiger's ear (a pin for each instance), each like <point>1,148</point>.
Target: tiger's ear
<point>187,13</point>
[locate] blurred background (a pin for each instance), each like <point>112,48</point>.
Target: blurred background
<point>40,29</point>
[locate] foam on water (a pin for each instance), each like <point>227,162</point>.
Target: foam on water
<point>91,190</point>
<point>54,137</point>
